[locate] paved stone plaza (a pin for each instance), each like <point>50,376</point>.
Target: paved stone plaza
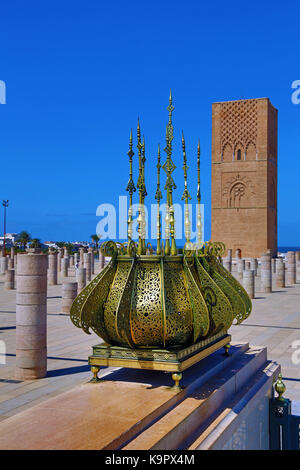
<point>274,322</point>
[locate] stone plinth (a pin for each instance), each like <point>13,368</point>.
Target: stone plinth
<point>69,293</point>
<point>232,391</point>
<point>31,316</point>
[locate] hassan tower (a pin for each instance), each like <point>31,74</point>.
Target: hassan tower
<point>244,176</point>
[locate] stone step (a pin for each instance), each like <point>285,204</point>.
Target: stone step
<point>233,427</point>
<point>201,402</point>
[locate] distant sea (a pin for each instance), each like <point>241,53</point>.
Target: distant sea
<point>285,249</point>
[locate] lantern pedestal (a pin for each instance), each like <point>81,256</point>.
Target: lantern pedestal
<point>174,360</point>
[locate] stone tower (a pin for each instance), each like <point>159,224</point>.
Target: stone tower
<point>244,175</point>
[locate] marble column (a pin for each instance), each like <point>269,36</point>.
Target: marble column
<point>81,278</point>
<point>91,251</point>
<point>297,266</point>
<point>52,268</point>
<point>247,265</point>
<point>64,267</point>
<point>10,263</point>
<point>280,272</point>
<point>87,265</point>
<point>101,260</point>
<point>71,261</point>
<point>12,252</point>
<point>81,254</point>
<point>3,264</point>
<point>227,264</point>
<point>69,293</point>
<point>266,273</point>
<point>9,279</point>
<point>249,282</point>
<point>253,265</point>
<point>291,268</point>
<point>240,267</point>
<point>31,316</point>
<point>59,257</point>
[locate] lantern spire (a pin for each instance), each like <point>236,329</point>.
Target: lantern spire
<point>169,167</point>
<point>130,188</point>
<point>186,195</point>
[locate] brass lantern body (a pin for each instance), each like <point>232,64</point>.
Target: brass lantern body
<point>151,301</point>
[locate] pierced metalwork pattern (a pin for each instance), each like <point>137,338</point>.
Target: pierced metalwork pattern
<point>111,305</point>
<point>200,312</point>
<point>221,314</point>
<point>93,309</point>
<point>146,308</point>
<point>123,316</point>
<point>75,311</point>
<point>178,309</point>
<point>238,288</point>
<point>236,301</point>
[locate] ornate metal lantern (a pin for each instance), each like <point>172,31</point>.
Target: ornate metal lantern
<point>160,310</point>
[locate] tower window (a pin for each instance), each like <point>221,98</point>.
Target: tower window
<point>239,154</point>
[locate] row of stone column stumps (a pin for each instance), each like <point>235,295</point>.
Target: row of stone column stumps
<point>34,272</point>
<point>285,271</point>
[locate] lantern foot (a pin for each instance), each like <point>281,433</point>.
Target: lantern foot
<point>177,376</point>
<point>226,347</point>
<point>95,371</point>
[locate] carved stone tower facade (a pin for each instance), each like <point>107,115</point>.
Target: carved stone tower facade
<point>244,176</point>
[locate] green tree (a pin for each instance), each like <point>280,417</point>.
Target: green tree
<point>69,247</point>
<point>24,238</point>
<point>35,243</point>
<point>96,239</point>
<point>60,244</point>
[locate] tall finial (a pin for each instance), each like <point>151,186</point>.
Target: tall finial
<point>130,188</point>
<point>169,167</point>
<point>158,197</point>
<point>199,222</point>
<point>141,250</point>
<point>186,195</point>
<point>198,168</point>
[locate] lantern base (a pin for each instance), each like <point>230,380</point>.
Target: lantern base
<point>169,360</point>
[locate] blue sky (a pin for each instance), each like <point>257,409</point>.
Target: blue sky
<point>78,74</point>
